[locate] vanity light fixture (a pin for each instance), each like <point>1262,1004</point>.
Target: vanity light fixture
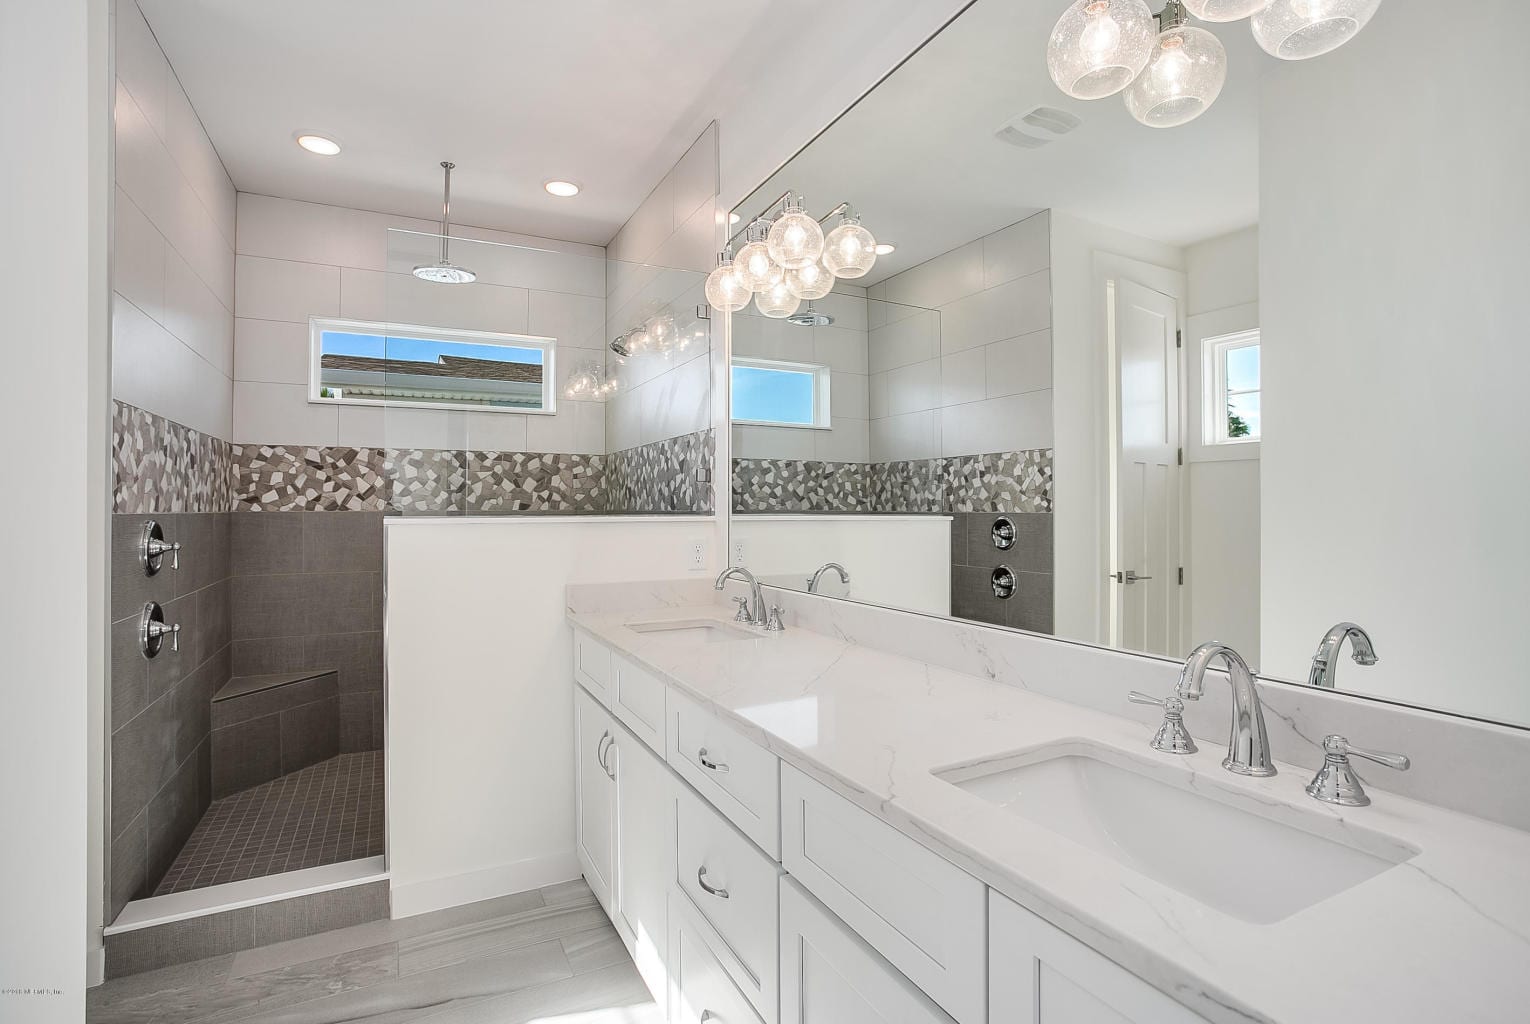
<point>317,144</point>
<point>444,271</point>
<point>1299,29</point>
<point>786,258</point>
<point>1173,71</point>
<point>1183,76</point>
<point>589,383</point>
<point>561,189</point>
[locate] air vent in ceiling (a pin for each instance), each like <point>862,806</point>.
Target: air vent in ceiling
<point>1037,127</point>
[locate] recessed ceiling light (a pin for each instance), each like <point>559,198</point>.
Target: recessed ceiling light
<point>561,189</point>
<point>883,248</point>
<point>733,218</point>
<point>317,144</point>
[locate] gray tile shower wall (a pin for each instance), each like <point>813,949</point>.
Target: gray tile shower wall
<point>161,757</point>
<point>974,557</point>
<point>306,592</point>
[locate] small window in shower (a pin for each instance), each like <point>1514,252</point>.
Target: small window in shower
<point>776,394</point>
<point>355,362</point>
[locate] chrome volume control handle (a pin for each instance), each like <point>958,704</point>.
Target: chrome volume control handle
<point>1172,737</point>
<point>1337,783</point>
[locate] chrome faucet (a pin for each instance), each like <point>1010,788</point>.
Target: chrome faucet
<point>1248,745</point>
<point>1324,662</point>
<point>844,577</point>
<point>757,616</point>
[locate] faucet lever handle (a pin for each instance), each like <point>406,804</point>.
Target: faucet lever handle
<point>743,610</point>
<point>1335,746</point>
<point>1172,737</point>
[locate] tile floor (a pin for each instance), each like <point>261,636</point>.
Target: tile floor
<point>539,956</point>
<point>322,814</point>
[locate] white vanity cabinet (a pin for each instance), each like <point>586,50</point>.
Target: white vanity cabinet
<point>1041,975</point>
<point>830,976</point>
<point>645,843</point>
<point>595,793</point>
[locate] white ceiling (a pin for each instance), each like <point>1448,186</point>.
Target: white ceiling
<point>919,159</point>
<point>607,93</point>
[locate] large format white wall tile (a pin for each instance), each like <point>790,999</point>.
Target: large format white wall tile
<point>963,377</point>
<point>405,299</point>
<point>756,442</point>
<point>281,414</point>
<point>838,348</point>
<point>876,395</point>
<point>914,435</point>
<point>912,339</point>
<point>847,395</point>
<point>196,316</point>
<point>914,387</point>
<point>138,259</point>
<point>576,321</point>
<point>198,161</point>
<point>694,178</point>
<point>940,281</point>
<point>1019,365</point>
<point>270,351</point>
<point>848,441</point>
<point>286,290</point>
<point>579,429</point>
<point>1015,423</point>
<point>1017,251</point>
<point>154,370</point>
<point>141,66</point>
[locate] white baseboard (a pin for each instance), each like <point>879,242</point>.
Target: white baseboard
<point>412,898</point>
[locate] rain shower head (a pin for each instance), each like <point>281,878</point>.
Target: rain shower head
<point>444,271</point>
<point>810,317</point>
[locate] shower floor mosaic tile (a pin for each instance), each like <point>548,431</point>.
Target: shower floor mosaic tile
<point>322,814</point>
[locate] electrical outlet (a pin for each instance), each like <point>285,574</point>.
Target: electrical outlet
<point>698,556</point>
<point>738,553</point>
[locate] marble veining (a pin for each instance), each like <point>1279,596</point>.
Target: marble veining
<point>1442,936</point>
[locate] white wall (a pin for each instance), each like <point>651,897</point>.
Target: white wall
<point>480,692</point>
<point>659,261</point>
<point>297,260</point>
<point>1395,466</point>
<point>1222,483</point>
<point>785,550</point>
<point>1083,256</point>
<point>842,347</point>
<point>973,376</point>
<point>173,301</point>
<point>54,106</point>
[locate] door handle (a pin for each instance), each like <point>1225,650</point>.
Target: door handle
<point>1129,576</point>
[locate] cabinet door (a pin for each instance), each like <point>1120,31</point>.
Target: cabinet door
<point>829,976</point>
<point>1041,975</point>
<point>594,778</point>
<point>645,843</point>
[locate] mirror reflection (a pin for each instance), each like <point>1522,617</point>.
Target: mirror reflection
<point>1251,378</point>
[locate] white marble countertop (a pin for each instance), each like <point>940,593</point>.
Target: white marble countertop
<point>1443,936</point>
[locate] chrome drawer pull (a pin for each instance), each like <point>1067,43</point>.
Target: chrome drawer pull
<point>707,1015</point>
<point>715,766</point>
<point>701,880</point>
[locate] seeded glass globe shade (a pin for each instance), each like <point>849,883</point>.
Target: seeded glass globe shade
<point>813,281</point>
<point>753,263</point>
<point>849,251</point>
<point>795,239</point>
<point>726,291</point>
<point>777,301</point>
<point>1224,10</point>
<point>1183,78</point>
<point>1299,29</point>
<point>1098,46</point>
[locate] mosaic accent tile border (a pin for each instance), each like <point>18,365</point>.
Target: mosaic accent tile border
<point>998,482</point>
<point>161,466</point>
<point>666,476</point>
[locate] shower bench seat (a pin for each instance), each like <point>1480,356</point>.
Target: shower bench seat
<point>264,726</point>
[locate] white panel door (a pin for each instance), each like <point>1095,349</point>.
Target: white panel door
<point>595,790</point>
<point>645,843</point>
<point>1145,569</point>
<point>1040,975</point>
<point>830,976</point>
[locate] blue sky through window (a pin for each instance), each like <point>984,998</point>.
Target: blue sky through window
<point>420,350</point>
<point>773,395</point>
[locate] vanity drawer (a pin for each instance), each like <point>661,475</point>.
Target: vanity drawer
<point>700,990</point>
<point>592,663</point>
<point>742,907</point>
<point>637,698</point>
<point>926,916</point>
<point>740,779</point>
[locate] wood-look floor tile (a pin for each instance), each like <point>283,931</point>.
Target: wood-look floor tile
<point>455,945</point>
<point>612,995</point>
<point>594,949</point>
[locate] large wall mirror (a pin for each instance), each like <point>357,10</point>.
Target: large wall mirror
<point>1258,378</point>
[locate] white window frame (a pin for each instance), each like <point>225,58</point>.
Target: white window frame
<point>822,404</point>
<point>1214,392</point>
<point>548,346</point>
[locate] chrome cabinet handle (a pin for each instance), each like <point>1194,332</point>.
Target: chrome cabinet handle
<point>600,751</point>
<point>606,764</point>
<point>714,766</point>
<point>707,1015</point>
<point>710,890</point>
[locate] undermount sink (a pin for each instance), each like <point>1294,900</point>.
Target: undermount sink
<point>1162,822</point>
<point>707,631</point>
